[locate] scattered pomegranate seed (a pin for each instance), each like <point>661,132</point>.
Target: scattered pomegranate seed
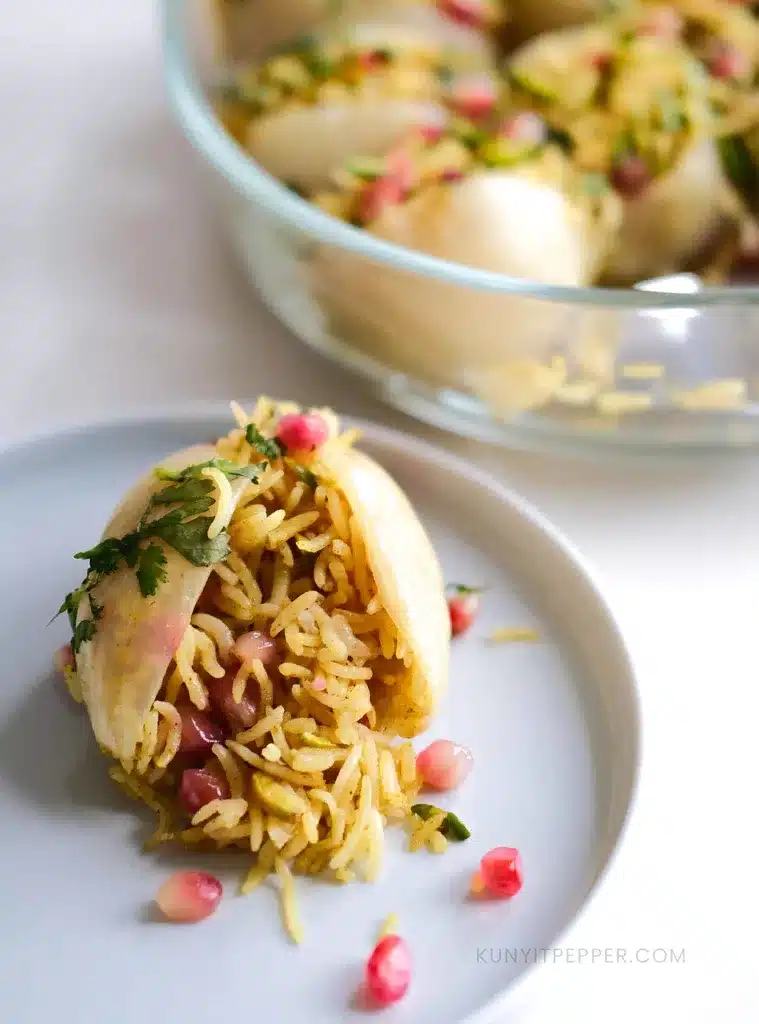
<point>444,764</point>
<point>525,127</point>
<point>319,683</point>
<point>199,786</point>
<point>63,658</point>
<point>431,133</point>
<point>388,970</point>
<point>199,732</point>
<point>472,13</point>
<point>727,61</point>
<point>238,715</point>
<point>631,176</point>
<point>189,896</point>
<point>378,195</point>
<point>501,871</point>
<point>452,175</point>
<point>462,608</point>
<point>662,22</point>
<point>302,431</point>
<point>473,96</point>
<point>255,645</point>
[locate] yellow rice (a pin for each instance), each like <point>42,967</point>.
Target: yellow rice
<point>297,569</point>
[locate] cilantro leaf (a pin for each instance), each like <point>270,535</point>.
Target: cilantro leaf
<point>270,448</point>
<point>307,477</point>
<point>83,631</point>
<point>70,606</point>
<point>463,588</point>
<point>191,540</point>
<point>186,490</point>
<point>104,558</point>
<point>151,571</point>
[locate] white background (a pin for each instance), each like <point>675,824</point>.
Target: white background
<point>116,291</point>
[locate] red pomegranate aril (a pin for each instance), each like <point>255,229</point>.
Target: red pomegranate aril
<point>451,176</point>
<point>400,167</point>
<point>501,871</point>
<point>601,61</point>
<point>473,97</point>
<point>444,764</point>
<point>238,715</point>
<point>526,127</point>
<point>198,787</point>
<point>255,645</point>
<point>63,658</point>
<point>388,970</point>
<point>189,896</point>
<point>631,177</point>
<point>470,13</point>
<point>726,61</point>
<point>431,133</point>
<point>377,196</point>
<point>662,22</point>
<point>302,431</point>
<point>199,732</point>
<point>463,609</point>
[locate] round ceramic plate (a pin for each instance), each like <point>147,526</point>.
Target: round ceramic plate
<point>553,726</point>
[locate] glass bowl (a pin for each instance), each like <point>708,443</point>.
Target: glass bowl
<point>480,354</point>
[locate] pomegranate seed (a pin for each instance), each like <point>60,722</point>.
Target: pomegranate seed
<point>631,176</point>
<point>662,22</point>
<point>199,786</point>
<point>431,133</point>
<point>400,168</point>
<point>726,61</point>
<point>501,871</point>
<point>63,658</point>
<point>471,13</point>
<point>238,716</point>
<point>388,970</point>
<point>319,683</point>
<point>525,127</point>
<point>255,645</point>
<point>452,175</point>
<point>302,431</point>
<point>444,764</point>
<point>378,195</point>
<point>463,608</point>
<point>370,60</point>
<point>199,732</point>
<point>601,61</point>
<point>189,896</point>
<point>473,96</point>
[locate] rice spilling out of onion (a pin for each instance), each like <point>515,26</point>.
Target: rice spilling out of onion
<point>331,773</point>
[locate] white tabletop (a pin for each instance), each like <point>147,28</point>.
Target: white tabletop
<point>117,291</point>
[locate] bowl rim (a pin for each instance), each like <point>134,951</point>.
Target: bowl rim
<point>206,132</point>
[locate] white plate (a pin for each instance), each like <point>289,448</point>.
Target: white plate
<point>553,727</point>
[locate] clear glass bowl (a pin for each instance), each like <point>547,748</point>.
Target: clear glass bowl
<point>550,367</point>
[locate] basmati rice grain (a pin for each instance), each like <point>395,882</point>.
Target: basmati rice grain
<point>425,830</point>
<point>356,830</point>
<point>261,728</point>
<point>437,843</point>
<point>256,819</point>
<point>289,909</point>
<point>218,630</point>
<point>388,775</point>
<point>239,683</point>
<point>173,735</point>
<point>272,753</point>
<point>231,770</point>
<point>277,770</point>
<point>349,766</point>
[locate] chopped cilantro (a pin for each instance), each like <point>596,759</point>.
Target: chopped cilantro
<point>307,477</point>
<point>183,527</point>
<point>463,588</point>
<point>452,828</point>
<point>269,447</point>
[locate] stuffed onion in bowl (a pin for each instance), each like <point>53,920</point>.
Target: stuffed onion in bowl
<point>503,199</point>
<point>261,622</point>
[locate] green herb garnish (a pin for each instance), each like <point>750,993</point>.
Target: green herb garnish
<point>367,169</point>
<point>307,477</point>
<point>594,184</point>
<point>184,528</point>
<point>271,448</point>
<point>452,828</point>
<point>560,138</point>
<point>463,588</point>
<point>739,165</point>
